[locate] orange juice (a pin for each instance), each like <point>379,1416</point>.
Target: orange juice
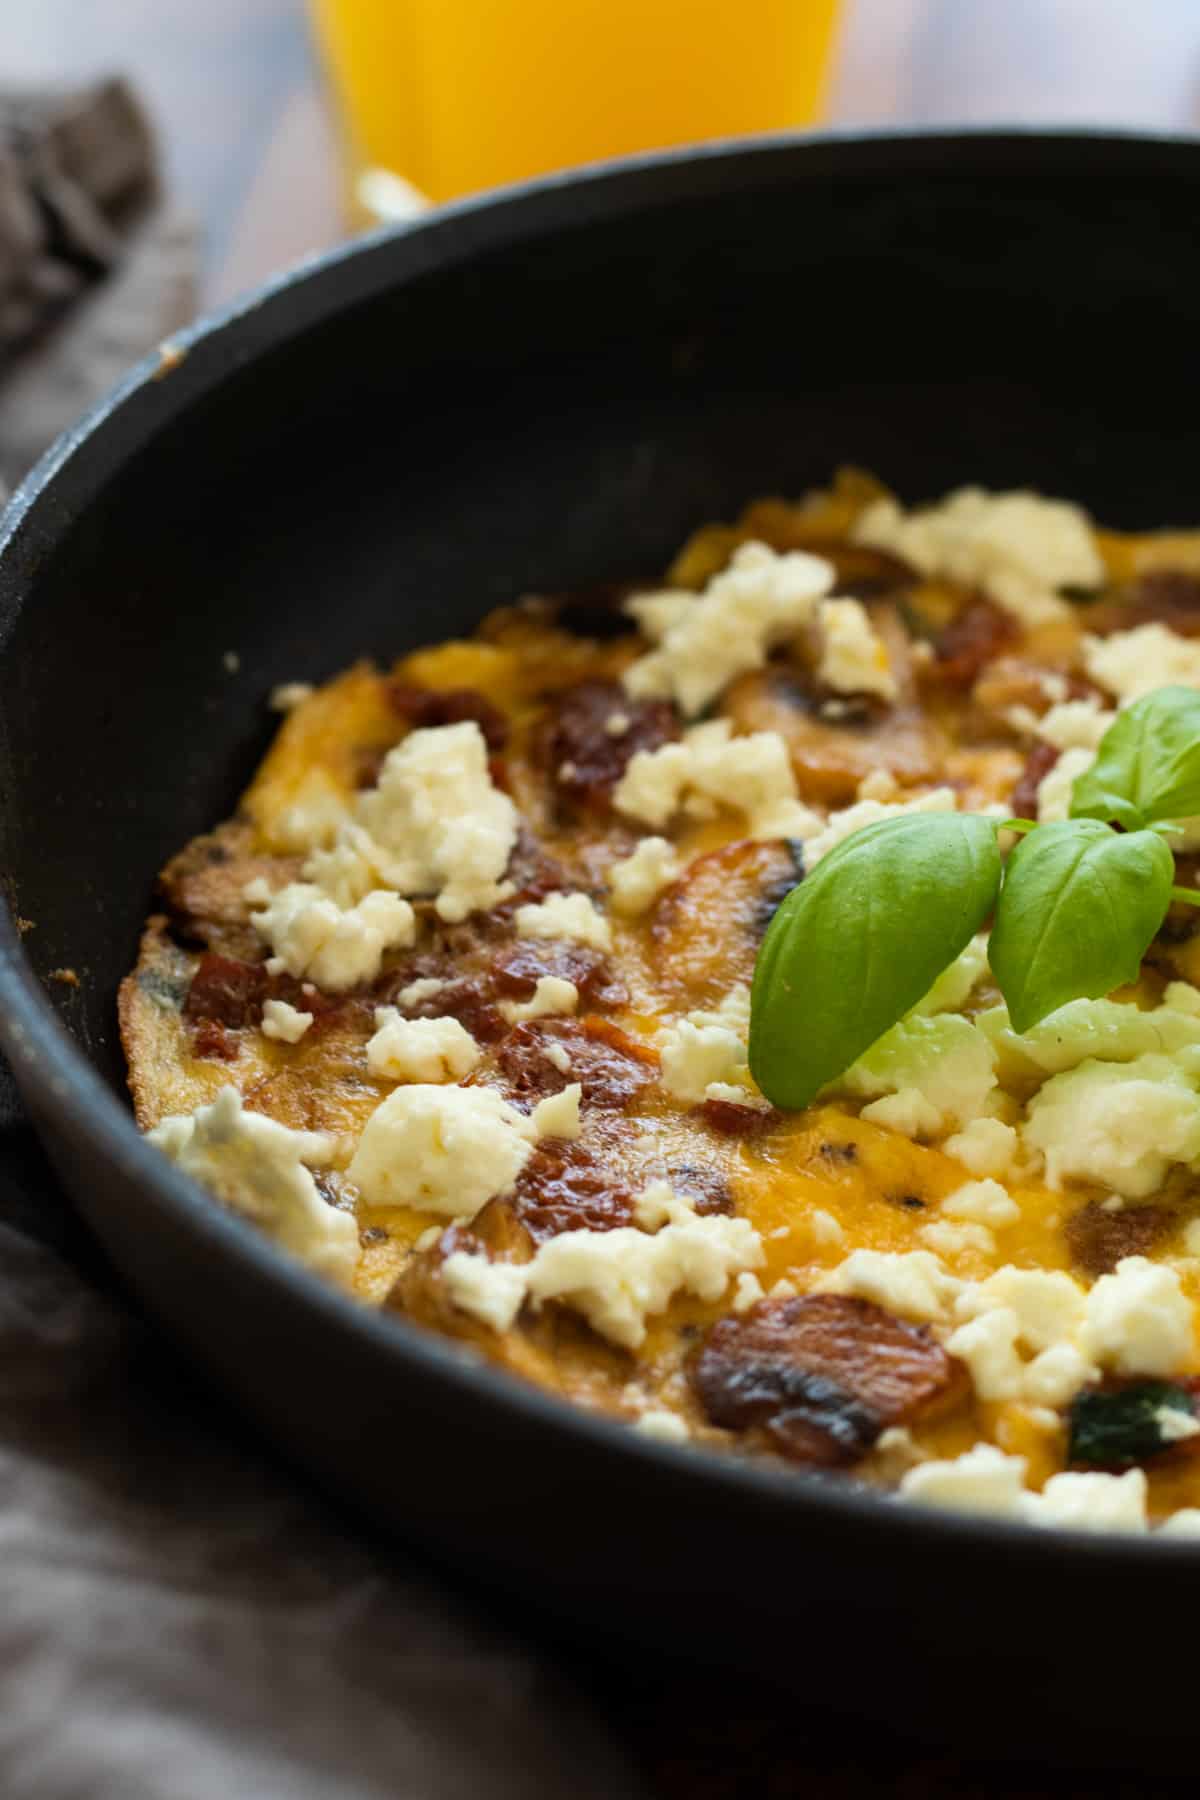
<point>456,95</point>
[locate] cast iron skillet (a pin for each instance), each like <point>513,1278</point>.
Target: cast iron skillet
<point>540,390</point>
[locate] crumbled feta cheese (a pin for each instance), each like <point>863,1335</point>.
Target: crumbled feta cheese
<point>636,881</point>
<point>760,600</point>
<point>747,1291</point>
<point>841,825</point>
<point>1056,1375</point>
<point>258,1167</point>
<point>1182,1524</point>
<point>984,1201</point>
<point>420,1049</point>
<point>1181,996</point>
<point>558,1114</point>
<point>708,1049</point>
<point>552,997</point>
<point>1018,547</point>
<point>492,1292</point>
<point>1175,1425</point>
<point>417,992</point>
<point>988,1346</point>
<point>337,947</point>
<point>985,1146</point>
<point>439,817</point>
<point>287,1023</point>
<point>617,724</point>
<point>1118,1124</point>
<point>565,916</point>
<point>288,695</point>
<point>711,768</point>
<point>824,1229</point>
<point>1132,663</point>
<point>941,1069</point>
<point>949,1236</point>
<point>853,657</point>
<point>1090,1502</point>
<point>666,1427</point>
<point>1058,784</point>
<point>1075,724</point>
<point>1048,1304</point>
<point>1139,1321</point>
<point>697,1056</point>
<point>445,1150</point>
<point>617,1279</point>
<point>912,1283</point>
<point>879,784</point>
<point>982,1480</point>
<point>558,1055</point>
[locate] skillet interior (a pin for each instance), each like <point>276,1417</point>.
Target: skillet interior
<point>551,390</point>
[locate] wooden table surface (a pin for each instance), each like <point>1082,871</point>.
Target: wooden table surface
<point>250,148</point>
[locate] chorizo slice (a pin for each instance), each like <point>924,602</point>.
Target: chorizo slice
<point>823,1375</point>
<point>594,732</point>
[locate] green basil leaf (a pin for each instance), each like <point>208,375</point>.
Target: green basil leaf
<point>1147,769</point>
<point>1078,909</point>
<point>861,940</point>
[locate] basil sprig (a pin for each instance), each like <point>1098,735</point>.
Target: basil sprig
<point>863,938</point>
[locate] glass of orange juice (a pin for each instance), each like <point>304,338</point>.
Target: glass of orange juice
<point>444,97</point>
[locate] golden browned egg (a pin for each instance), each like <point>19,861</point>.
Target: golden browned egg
<point>479,936</point>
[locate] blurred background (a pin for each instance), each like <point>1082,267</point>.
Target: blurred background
<point>268,112</point>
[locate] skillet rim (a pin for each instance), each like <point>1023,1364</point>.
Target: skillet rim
<point>48,1061</point>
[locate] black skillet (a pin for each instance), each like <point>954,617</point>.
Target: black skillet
<point>540,391</point>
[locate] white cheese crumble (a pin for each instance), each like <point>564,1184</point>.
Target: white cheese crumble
<point>335,946</point>
<point>666,1427</point>
<point>437,814</point>
<point>985,1480</point>
<point>1139,1321</point>
<point>833,831</point>
<point>986,1147</point>
<point>1118,1124</point>
<point>710,769</point>
<point>558,1114</point>
<point>637,880</point>
<point>258,1167</point>
<point>617,1279</point>
<point>492,1292</point>
<point>444,1150</point>
<point>1019,548</point>
<point>417,992</point>
<point>704,642</point>
<point>748,1290</point>
<point>984,1201</point>
<point>949,1236</point>
<point>1132,663</point>
<point>825,1231</point>
<point>1057,785</point>
<point>288,695</point>
<point>558,1056</point>
<point>1074,724</point>
<point>1090,1502</point>
<point>571,916</point>
<point>912,1283</point>
<point>706,1050</point>
<point>853,657</point>
<point>551,998</point>
<point>287,1023</point>
<point>982,1480</point>
<point>420,1049</point>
